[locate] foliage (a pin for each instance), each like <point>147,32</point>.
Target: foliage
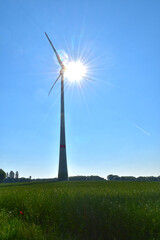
<point>75,178</point>
<point>16,180</point>
<point>79,210</point>
<point>2,175</point>
<point>131,178</point>
<point>12,227</point>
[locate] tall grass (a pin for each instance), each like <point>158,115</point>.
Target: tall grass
<point>81,210</point>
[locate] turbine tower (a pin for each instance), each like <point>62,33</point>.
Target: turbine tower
<point>62,171</point>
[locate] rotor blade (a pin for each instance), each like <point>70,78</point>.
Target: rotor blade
<point>58,57</point>
<point>54,84</point>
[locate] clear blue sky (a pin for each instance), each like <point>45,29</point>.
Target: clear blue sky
<point>112,124</point>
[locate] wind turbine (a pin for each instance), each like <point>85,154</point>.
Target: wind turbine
<point>62,171</point>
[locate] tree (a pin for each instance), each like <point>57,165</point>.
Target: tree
<point>17,174</point>
<point>113,177</point>
<point>2,175</point>
<point>110,177</point>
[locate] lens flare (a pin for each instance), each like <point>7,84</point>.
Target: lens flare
<point>75,71</point>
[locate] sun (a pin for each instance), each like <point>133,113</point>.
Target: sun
<point>75,71</point>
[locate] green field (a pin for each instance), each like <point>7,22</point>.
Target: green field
<point>80,210</point>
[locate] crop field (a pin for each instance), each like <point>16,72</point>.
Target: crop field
<point>80,210</point>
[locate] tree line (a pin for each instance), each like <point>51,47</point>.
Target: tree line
<point>110,177</point>
<point>131,178</point>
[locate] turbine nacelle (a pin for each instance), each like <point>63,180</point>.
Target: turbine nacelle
<point>63,69</point>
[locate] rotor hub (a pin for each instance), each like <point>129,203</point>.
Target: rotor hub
<point>63,69</point>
